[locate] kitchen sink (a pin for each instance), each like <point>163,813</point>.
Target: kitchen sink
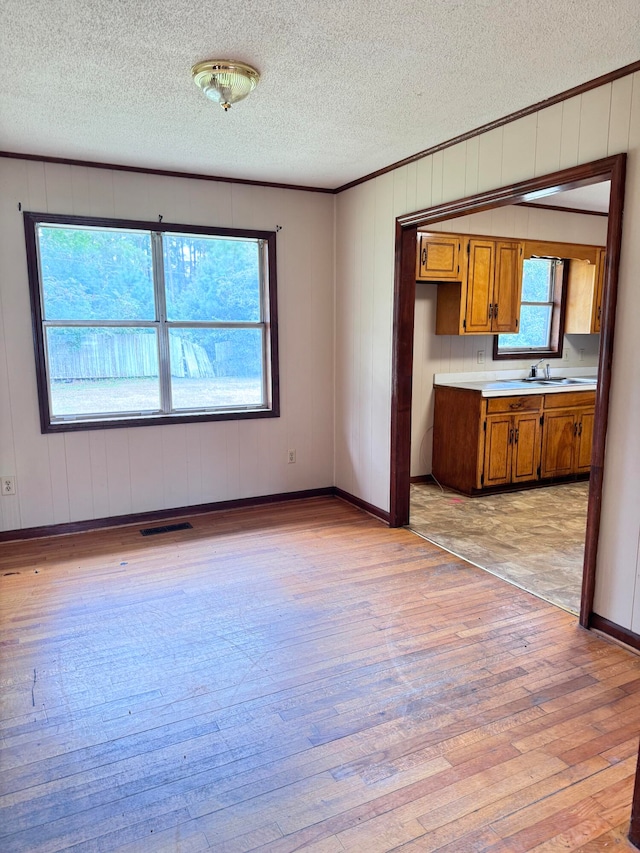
<point>554,381</point>
<point>562,380</point>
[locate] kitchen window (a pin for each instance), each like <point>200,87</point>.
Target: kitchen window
<point>541,312</point>
<point>144,323</point>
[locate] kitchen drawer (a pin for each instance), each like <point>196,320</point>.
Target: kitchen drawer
<point>570,399</point>
<point>526,403</point>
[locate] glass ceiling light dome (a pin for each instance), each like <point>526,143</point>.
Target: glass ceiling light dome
<point>225,81</point>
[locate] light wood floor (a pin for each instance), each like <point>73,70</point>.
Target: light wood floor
<point>533,538</point>
<point>300,677</point>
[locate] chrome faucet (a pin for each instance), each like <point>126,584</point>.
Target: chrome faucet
<point>533,373</point>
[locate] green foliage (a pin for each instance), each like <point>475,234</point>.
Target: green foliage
<point>535,319</point>
<point>93,274</point>
<point>107,275</point>
<point>211,279</point>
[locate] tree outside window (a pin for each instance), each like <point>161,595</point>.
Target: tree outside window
<point>151,324</point>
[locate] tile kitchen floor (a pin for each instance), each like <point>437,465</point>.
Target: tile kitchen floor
<point>533,538</point>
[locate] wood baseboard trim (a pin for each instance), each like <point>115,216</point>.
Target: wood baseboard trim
<point>160,514</point>
<point>422,478</point>
<point>382,514</point>
<point>617,632</point>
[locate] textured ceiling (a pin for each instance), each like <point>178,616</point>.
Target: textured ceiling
<point>347,87</point>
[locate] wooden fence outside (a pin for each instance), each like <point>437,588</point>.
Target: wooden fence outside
<point>124,356</point>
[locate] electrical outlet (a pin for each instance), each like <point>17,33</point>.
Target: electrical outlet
<point>566,355</point>
<point>581,355</point>
<point>291,456</point>
<point>480,356</point>
<point>8,485</point>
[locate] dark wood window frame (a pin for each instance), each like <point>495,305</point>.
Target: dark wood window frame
<point>608,169</point>
<point>556,336</point>
<point>31,222</point>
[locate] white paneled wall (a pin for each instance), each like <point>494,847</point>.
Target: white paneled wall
<point>84,475</point>
<point>599,123</point>
<point>443,354</point>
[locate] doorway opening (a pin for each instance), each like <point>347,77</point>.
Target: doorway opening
<point>531,537</point>
<point>533,191</point>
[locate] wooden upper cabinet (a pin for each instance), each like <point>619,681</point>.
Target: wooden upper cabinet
<point>584,295</point>
<point>439,257</point>
<point>485,297</point>
<point>597,308</point>
<point>507,287</point>
<point>480,282</point>
<point>494,284</point>
<point>480,276</point>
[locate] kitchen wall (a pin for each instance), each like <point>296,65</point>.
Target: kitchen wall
<point>454,354</point>
<point>83,475</point>
<point>581,129</point>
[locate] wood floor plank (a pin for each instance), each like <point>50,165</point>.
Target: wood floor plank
<point>299,676</point>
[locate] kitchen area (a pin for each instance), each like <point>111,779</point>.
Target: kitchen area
<point>502,426</point>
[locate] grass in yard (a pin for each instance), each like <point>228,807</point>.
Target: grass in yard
<point>101,396</point>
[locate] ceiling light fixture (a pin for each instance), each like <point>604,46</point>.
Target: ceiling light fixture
<point>225,81</point>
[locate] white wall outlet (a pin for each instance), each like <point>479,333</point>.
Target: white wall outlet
<point>480,356</point>
<point>8,485</point>
<point>581,355</point>
<point>565,355</point>
<point>291,456</point>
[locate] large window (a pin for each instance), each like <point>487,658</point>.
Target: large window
<point>541,312</point>
<point>139,323</point>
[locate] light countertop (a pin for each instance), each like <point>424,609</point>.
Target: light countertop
<point>506,383</point>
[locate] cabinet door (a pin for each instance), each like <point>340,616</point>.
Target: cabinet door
<point>526,448</point>
<point>507,287</point>
<point>497,450</point>
<point>599,285</point>
<point>584,441</point>
<point>480,274</point>
<point>558,438</point>
<point>438,257</point>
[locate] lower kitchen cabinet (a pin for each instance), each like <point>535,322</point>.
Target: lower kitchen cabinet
<point>511,449</point>
<point>567,436</point>
<point>481,443</point>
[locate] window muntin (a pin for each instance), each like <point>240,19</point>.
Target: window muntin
<point>151,324</point>
<point>540,309</point>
